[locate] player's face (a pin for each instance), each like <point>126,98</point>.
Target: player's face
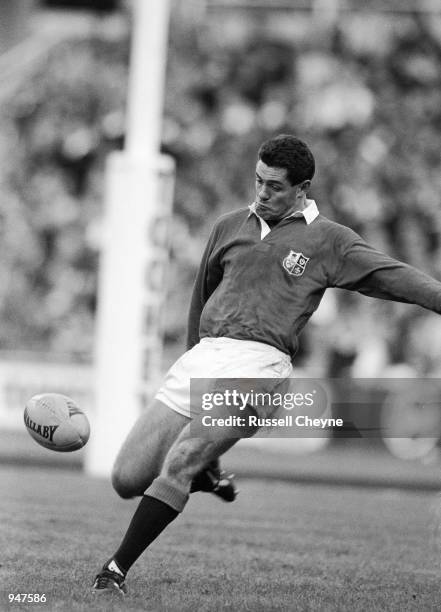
<point>275,196</point>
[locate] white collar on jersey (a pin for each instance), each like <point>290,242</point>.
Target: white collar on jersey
<point>310,212</point>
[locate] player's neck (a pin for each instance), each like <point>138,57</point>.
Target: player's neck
<point>300,204</point>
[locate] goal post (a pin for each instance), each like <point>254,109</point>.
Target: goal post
<point>138,207</point>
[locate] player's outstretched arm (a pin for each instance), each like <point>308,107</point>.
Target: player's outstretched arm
<point>366,270</point>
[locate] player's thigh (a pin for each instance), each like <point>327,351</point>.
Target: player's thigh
<point>142,454</point>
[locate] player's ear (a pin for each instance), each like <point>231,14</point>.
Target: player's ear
<point>305,185</point>
<point>303,188</point>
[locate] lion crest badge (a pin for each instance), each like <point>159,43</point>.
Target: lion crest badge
<point>295,263</point>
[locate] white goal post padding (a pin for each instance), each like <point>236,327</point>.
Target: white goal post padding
<point>138,205</point>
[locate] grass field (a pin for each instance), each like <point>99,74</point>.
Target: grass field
<point>278,547</point>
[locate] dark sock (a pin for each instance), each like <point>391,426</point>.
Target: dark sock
<point>151,517</point>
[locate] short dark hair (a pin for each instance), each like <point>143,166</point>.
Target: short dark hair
<point>291,153</point>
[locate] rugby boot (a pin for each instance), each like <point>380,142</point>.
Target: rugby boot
<point>214,480</point>
<point>110,579</point>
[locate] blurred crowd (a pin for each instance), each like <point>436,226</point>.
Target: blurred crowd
<point>364,93</point>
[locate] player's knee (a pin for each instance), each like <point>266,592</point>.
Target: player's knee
<point>125,485</point>
<point>121,485</point>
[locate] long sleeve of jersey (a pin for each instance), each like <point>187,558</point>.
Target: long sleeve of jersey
<point>207,279</point>
<point>370,272</point>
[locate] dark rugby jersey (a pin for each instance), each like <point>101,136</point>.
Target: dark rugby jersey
<point>266,290</point>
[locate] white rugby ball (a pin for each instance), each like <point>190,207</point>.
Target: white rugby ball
<point>56,422</point>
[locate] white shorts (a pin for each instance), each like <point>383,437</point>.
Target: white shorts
<point>215,358</point>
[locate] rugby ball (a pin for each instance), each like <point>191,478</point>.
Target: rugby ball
<point>56,422</point>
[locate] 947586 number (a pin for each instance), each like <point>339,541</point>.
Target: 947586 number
<point>27,597</point>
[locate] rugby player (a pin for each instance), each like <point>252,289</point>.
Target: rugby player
<point>262,275</point>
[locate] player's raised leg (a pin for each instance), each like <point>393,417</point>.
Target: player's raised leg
<point>142,455</point>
